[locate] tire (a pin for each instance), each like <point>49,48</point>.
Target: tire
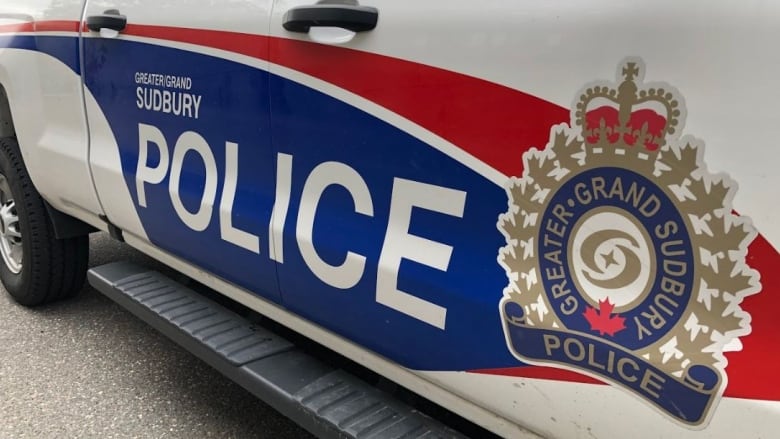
<point>36,267</point>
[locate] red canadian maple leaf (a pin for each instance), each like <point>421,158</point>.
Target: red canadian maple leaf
<point>603,320</point>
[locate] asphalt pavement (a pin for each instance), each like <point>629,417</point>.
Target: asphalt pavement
<point>86,368</point>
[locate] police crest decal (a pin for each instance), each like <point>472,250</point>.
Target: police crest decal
<point>624,257</point>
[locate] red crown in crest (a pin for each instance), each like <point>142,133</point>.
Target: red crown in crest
<point>628,115</point>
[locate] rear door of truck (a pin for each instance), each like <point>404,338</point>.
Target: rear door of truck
<point>503,197</point>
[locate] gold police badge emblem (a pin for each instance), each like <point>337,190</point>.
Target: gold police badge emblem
<point>624,258</point>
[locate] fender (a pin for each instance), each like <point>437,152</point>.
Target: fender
<point>49,127</point>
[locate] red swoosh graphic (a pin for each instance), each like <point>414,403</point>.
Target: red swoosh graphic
<point>41,26</point>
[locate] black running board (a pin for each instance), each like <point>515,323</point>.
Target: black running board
<point>328,402</point>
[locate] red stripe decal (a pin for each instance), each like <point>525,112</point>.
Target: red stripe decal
<point>41,26</point>
<point>21,27</point>
<point>752,371</point>
<point>56,26</point>
<point>492,122</point>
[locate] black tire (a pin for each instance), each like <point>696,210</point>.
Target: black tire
<point>51,268</point>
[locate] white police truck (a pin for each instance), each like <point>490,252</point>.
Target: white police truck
<point>551,218</point>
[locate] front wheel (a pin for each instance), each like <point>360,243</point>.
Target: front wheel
<point>36,267</point>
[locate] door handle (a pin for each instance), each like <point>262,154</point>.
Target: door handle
<point>352,17</point>
<point>110,19</point>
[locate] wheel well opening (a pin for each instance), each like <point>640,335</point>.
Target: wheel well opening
<point>6,121</point>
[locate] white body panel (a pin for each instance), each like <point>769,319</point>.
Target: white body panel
<point>47,90</point>
<point>109,184</point>
<point>231,15</point>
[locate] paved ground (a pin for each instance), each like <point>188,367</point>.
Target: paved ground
<point>87,369</point>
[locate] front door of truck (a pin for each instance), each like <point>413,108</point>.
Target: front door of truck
<point>177,99</point>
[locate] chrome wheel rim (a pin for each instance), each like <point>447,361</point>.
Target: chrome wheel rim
<point>10,233</point>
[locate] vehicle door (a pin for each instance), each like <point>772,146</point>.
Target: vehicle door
<point>390,238</point>
<point>462,202</point>
<point>177,97</point>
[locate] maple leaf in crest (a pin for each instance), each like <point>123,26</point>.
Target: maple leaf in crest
<point>602,321</point>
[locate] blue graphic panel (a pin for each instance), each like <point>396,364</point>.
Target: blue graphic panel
<point>221,101</point>
<point>315,128</point>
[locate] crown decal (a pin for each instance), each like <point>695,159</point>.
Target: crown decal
<point>629,115</point>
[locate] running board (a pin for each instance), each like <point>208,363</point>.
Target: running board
<point>328,402</point>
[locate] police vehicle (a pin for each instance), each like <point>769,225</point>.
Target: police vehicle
<point>551,218</point>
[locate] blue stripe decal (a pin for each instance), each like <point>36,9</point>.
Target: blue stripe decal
<point>314,128</point>
<point>65,49</point>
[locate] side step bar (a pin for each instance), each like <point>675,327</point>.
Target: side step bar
<point>328,402</point>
